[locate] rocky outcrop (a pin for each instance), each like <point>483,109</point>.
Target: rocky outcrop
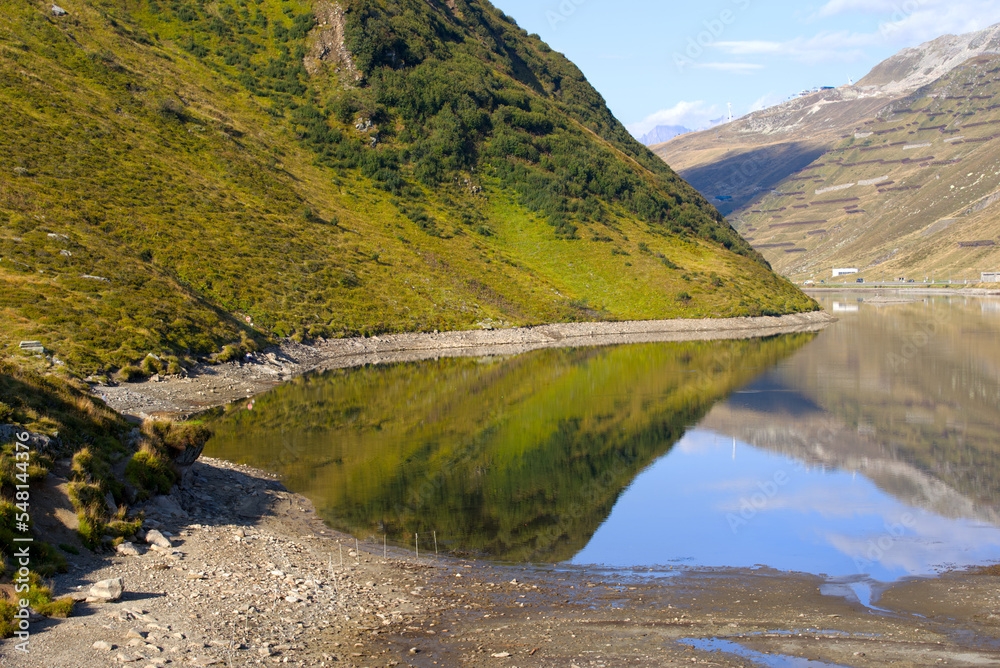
<point>326,42</point>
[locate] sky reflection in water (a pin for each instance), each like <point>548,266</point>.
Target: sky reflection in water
<point>713,501</point>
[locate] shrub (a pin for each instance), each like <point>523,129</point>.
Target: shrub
<point>91,530</point>
<point>228,354</point>
<point>149,472</point>
<point>7,612</point>
<point>130,373</point>
<point>86,495</point>
<point>151,365</point>
<point>683,297</point>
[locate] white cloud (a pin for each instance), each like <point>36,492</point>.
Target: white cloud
<point>751,48</point>
<point>732,68</point>
<point>694,115</point>
<point>899,23</point>
<point>824,47</point>
<point>836,7</point>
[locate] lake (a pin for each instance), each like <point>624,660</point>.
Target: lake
<point>867,452</point>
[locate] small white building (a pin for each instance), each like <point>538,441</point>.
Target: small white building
<point>844,272</point>
<point>991,277</point>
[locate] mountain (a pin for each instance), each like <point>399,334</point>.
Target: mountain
<point>662,133</point>
<point>893,175</point>
<point>913,68</point>
<point>182,175</point>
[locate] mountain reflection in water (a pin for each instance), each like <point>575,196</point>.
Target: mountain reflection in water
<point>871,453</point>
<point>870,450</point>
<point>517,458</point>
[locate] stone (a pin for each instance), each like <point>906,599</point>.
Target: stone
<point>154,537</point>
<point>127,549</point>
<point>109,501</point>
<point>166,505</point>
<point>103,646</point>
<point>108,590</point>
<point>135,633</point>
<point>58,11</point>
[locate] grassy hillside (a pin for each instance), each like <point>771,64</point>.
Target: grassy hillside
<point>910,192</point>
<point>179,176</point>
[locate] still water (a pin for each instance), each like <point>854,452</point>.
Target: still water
<point>868,451</point>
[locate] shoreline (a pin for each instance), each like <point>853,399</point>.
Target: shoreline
<point>207,386</point>
<point>872,287</point>
<point>252,577</point>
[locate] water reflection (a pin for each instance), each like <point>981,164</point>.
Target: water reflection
<point>871,450</point>
<point>519,458</point>
<point>874,452</point>
<point>713,503</point>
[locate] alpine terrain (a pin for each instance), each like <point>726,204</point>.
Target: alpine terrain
<point>896,176</point>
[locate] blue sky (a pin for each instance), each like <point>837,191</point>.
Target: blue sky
<point>682,63</point>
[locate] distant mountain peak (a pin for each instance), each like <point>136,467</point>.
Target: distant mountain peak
<point>662,133</point>
<point>918,66</point>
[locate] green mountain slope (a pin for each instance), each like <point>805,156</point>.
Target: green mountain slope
<point>180,175</point>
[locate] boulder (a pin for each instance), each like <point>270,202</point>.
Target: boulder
<point>108,590</point>
<point>127,549</point>
<point>154,537</point>
<point>165,505</point>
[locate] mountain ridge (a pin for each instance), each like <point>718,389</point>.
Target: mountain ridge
<point>186,177</point>
<point>756,159</point>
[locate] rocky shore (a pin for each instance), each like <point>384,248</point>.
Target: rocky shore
<point>209,385</point>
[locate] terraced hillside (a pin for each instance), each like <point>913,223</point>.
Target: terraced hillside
<point>911,193</point>
<point>892,175</point>
<point>733,164</point>
<point>181,175</point>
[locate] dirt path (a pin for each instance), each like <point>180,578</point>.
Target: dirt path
<point>207,386</point>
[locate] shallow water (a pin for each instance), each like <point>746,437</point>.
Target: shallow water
<point>868,452</point>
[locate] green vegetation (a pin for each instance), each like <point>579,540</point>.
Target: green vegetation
<point>183,177</point>
<point>102,447</point>
<point>519,458</point>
